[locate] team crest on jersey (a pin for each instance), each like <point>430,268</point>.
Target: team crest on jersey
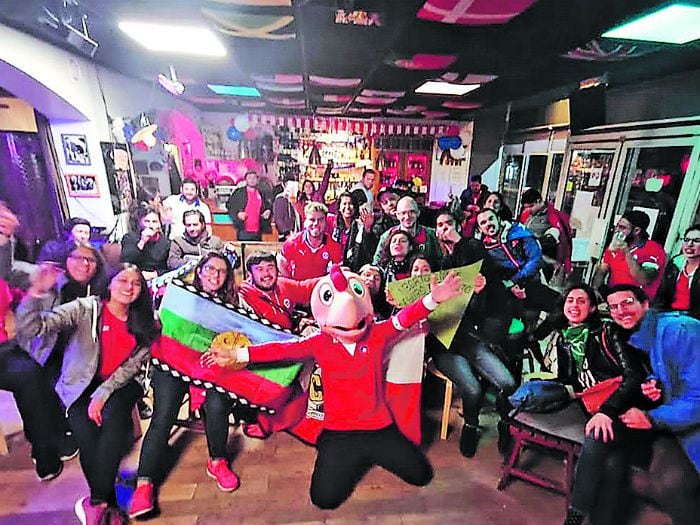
<point>325,256</point>
<point>287,303</point>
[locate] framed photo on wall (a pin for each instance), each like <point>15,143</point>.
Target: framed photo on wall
<point>82,185</point>
<point>75,149</point>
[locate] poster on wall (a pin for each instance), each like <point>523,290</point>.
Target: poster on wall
<point>119,176</point>
<point>75,150</point>
<point>82,185</point>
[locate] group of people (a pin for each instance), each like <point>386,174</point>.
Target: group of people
<point>83,334</point>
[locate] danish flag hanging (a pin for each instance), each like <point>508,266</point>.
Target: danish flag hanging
<point>472,12</point>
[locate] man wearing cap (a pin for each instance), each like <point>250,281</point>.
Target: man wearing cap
<point>387,199</point>
<point>631,257</point>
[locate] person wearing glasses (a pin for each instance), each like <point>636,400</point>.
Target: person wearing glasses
<point>426,242</point>
<point>195,242</point>
<point>632,257</point>
<point>109,342</point>
<point>670,340</point>
<point>213,275</point>
<point>680,289</point>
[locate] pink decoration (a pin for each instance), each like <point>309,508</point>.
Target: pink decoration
<point>334,82</point>
<point>375,101</point>
<point>251,164</point>
<point>470,78</point>
<point>279,78</point>
<point>379,93</point>
<point>251,133</point>
<point>472,12</point>
<point>239,170</point>
<point>337,98</point>
<point>460,105</point>
<point>425,62</point>
<point>435,114</point>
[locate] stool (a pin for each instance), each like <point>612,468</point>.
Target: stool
<point>447,400</point>
<point>562,431</point>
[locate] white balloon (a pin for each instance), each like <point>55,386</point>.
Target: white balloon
<point>458,153</point>
<point>241,122</point>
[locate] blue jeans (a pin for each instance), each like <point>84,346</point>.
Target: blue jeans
<point>465,368</point>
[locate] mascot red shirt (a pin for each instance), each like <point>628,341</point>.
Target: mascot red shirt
<point>358,427</point>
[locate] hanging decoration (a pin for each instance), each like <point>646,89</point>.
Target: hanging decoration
<point>472,12</point>
<point>247,25</point>
<point>171,83</point>
<point>233,134</point>
<point>241,122</point>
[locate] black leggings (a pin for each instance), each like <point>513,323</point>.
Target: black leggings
<point>37,402</point>
<point>344,457</point>
<point>102,448</point>
<point>168,393</point>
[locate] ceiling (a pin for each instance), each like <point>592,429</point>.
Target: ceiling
<point>312,65</point>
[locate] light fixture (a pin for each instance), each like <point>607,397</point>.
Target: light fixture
<point>171,84</point>
<point>674,24</point>
<point>179,39</point>
<point>434,87</point>
<point>237,91</point>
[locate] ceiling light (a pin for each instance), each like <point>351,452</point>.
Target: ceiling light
<point>180,39</point>
<point>237,91</point>
<point>674,24</point>
<point>433,87</point>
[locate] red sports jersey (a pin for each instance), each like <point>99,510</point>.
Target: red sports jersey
<point>353,384</point>
<point>649,255</point>
<point>277,305</point>
<point>116,343</point>
<point>306,262</point>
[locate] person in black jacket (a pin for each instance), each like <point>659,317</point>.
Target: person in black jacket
<point>583,353</point>
<point>250,209</point>
<point>145,245</point>
<point>680,287</point>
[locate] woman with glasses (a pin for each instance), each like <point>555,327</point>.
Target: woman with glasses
<point>585,352</point>
<point>109,342</point>
<point>680,288</point>
<point>213,275</point>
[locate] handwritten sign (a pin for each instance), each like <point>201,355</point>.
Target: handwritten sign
<point>445,320</point>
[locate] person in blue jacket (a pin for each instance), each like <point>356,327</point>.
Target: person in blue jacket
<point>672,342</point>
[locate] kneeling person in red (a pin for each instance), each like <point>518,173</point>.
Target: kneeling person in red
<point>358,430</point>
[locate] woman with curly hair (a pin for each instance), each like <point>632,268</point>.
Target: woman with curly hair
<point>145,245</point>
<point>395,256</point>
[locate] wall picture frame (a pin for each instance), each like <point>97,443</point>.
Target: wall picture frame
<point>75,149</point>
<point>82,185</point>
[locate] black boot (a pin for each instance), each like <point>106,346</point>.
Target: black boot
<point>505,440</point>
<point>573,517</point>
<point>468,440</point>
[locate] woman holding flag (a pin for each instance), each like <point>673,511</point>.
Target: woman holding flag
<point>213,275</point>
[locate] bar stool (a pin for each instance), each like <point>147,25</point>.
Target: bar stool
<point>447,399</point>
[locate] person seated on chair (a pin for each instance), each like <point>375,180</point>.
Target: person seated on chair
<point>680,287</point>
<point>213,275</point>
<point>396,255</point>
<point>110,340</point>
<point>195,242</point>
<point>146,246</point>
<point>471,358</point>
<point>77,232</point>
<point>670,339</point>
<point>583,353</point>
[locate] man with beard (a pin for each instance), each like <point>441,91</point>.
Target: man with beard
<point>631,257</point>
<point>387,199</point>
<point>426,241</point>
<point>270,296</point>
<point>195,242</point>
<point>670,340</point>
<point>311,252</point>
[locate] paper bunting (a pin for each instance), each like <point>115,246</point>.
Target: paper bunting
<point>375,101</point>
<point>280,88</point>
<point>472,12</point>
<point>379,93</point>
<point>337,98</point>
<point>460,105</point>
<point>279,78</point>
<point>456,78</point>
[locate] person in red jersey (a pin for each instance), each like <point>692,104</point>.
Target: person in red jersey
<point>359,430</point>
<point>311,252</point>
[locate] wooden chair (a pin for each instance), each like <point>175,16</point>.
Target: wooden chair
<point>447,400</point>
<point>561,432</point>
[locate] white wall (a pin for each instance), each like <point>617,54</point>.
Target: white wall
<point>69,90</point>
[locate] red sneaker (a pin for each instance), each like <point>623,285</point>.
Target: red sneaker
<point>87,513</point>
<point>226,479</point>
<point>142,500</point>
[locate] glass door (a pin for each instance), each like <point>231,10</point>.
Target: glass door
<point>512,175</point>
<point>550,193</point>
<point>583,193</point>
<point>660,179</point>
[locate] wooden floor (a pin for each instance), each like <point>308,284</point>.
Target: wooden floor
<point>275,479</point>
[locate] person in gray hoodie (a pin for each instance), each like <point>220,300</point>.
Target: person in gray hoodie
<point>195,242</point>
<point>110,339</point>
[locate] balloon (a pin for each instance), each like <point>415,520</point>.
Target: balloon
<point>233,134</point>
<point>251,134</point>
<point>241,122</point>
<point>224,179</point>
<point>141,146</point>
<point>129,131</point>
<point>457,153</point>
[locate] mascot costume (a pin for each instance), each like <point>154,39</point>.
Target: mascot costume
<point>358,428</point>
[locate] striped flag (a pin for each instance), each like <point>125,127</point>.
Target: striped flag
<point>192,320</point>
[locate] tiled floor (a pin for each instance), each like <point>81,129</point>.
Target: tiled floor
<point>275,480</point>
